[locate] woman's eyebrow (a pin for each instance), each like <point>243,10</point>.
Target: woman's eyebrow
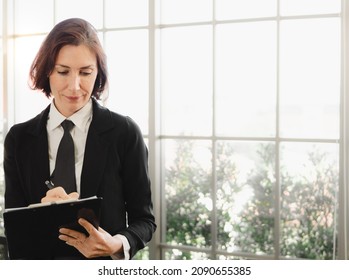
<point>88,67</point>
<point>84,67</point>
<point>62,65</point>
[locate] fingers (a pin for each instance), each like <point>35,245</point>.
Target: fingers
<point>98,243</point>
<point>87,245</point>
<point>88,226</point>
<point>58,193</point>
<point>55,194</point>
<point>74,195</point>
<point>72,237</point>
<point>73,234</point>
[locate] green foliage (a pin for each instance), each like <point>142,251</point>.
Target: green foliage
<point>256,227</point>
<point>308,210</point>
<point>227,186</point>
<point>142,254</point>
<point>187,190</point>
<point>307,204</point>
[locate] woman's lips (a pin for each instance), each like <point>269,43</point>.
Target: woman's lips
<point>74,98</point>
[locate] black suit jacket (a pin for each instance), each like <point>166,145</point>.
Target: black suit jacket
<point>115,167</point>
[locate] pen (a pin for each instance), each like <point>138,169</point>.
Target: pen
<point>49,184</point>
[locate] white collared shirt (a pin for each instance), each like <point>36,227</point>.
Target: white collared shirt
<point>82,120</point>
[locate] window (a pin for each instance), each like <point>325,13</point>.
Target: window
<point>241,103</point>
<point>250,102</point>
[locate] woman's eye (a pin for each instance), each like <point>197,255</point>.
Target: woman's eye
<point>63,73</point>
<point>85,73</point>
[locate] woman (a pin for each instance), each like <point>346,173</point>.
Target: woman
<point>110,154</point>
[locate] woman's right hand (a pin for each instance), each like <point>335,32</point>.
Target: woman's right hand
<point>57,194</point>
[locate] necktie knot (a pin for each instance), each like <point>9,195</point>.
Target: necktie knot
<point>67,125</point>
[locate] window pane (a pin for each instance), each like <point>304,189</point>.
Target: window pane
<point>309,183</point>
<point>127,53</point>
<point>310,78</point>
<point>239,9</point>
<point>90,10</point>
<point>30,18</point>
<point>179,11</point>
<point>186,80</point>
<point>28,103</point>
<point>304,7</point>
<point>245,191</point>
<point>120,13</point>
<point>246,79</point>
<point>187,198</point>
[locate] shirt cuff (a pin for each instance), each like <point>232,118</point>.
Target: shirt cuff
<point>126,245</point>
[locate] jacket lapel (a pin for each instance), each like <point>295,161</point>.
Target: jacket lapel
<point>96,151</point>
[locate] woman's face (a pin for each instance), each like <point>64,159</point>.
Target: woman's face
<point>73,78</point>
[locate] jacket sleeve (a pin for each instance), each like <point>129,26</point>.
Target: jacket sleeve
<point>137,190</point>
<point>14,194</point>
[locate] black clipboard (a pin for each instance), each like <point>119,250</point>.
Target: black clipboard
<point>32,232</point>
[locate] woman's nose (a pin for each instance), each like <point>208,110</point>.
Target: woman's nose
<point>74,83</point>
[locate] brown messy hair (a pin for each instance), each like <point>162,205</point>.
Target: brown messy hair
<point>74,31</point>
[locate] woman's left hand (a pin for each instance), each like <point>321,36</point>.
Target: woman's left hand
<point>99,243</point>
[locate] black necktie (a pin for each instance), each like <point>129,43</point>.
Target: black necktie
<point>64,173</point>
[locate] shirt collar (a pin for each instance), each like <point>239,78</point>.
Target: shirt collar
<point>80,118</point>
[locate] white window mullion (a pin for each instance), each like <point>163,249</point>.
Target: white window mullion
<point>343,225</point>
<point>214,228</point>
<point>277,196</point>
<point>154,142</point>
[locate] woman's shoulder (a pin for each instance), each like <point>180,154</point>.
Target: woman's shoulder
<point>126,124</point>
<point>116,119</point>
<point>32,125</point>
